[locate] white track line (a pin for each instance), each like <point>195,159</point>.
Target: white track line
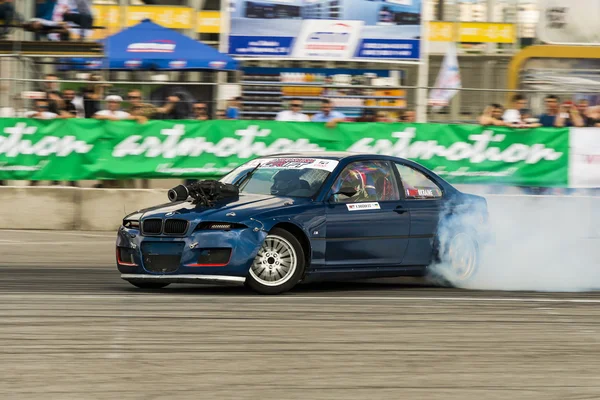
<point>66,233</point>
<point>24,243</point>
<point>159,297</point>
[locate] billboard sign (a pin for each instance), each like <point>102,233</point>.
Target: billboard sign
<point>326,29</point>
<point>569,22</point>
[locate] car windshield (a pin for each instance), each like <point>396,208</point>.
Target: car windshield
<point>282,176</point>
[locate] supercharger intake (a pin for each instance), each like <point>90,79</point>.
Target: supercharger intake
<point>205,192</point>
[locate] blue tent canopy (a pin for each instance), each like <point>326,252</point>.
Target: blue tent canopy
<point>149,46</point>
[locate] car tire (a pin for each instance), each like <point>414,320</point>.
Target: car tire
<point>456,262</point>
<point>279,264</point>
<point>148,285</point>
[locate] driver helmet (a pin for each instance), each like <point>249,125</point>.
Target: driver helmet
<point>285,182</point>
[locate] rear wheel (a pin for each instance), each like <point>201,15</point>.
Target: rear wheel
<point>148,285</point>
<point>279,264</point>
<point>458,261</point>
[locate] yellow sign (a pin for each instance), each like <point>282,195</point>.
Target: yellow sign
<point>169,17</point>
<point>472,32</point>
<point>487,32</point>
<point>441,31</point>
<point>209,22</point>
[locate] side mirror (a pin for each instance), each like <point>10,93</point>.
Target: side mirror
<point>347,191</point>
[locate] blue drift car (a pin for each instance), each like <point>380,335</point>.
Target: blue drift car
<point>279,220</point>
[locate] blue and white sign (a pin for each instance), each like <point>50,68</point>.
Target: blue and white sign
<point>326,29</point>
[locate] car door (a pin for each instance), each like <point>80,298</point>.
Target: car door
<point>371,227</point>
<point>423,198</point>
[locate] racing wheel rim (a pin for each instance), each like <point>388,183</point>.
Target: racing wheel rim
<point>275,262</point>
<point>463,256</point>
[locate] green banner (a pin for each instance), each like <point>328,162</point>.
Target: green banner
<point>75,149</point>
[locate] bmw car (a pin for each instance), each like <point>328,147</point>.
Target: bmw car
<point>280,220</point>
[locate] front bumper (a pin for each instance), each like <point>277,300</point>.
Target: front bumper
<point>220,279</point>
<point>183,254</point>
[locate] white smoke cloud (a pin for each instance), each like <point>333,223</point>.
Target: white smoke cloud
<point>541,243</point>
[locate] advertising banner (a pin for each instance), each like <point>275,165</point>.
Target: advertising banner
<point>472,32</point>
<point>330,29</point>
<point>584,169</point>
<point>89,149</point>
<point>569,21</point>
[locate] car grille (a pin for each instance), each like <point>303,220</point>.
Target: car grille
<point>152,226</point>
<point>175,226</point>
<point>161,262</point>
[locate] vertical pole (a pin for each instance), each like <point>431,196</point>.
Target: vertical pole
<point>423,73</point>
<point>225,20</point>
<point>440,10</point>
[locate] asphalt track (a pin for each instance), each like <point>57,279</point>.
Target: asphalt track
<point>71,329</point>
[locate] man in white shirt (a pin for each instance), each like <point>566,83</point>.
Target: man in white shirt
<point>294,113</point>
<point>113,112</point>
<point>512,116</point>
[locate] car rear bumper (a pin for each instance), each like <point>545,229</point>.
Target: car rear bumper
<point>219,279</point>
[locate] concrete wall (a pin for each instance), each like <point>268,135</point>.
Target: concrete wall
<point>86,209</point>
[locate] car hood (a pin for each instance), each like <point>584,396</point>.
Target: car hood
<point>245,206</point>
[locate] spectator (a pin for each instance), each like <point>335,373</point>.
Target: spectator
<point>174,108</point>
<point>383,117</point>
<point>134,97</point>
<point>9,16</point>
<point>368,115</point>
<point>200,112</point>
<point>294,113</point>
<point>233,110</point>
<point>48,21</point>
<point>80,15</point>
<point>492,115</point>
<point>331,117</point>
<point>68,95</point>
<point>568,116</point>
<point>113,112</point>
<point>548,118</point>
<point>512,116</point>
<point>41,110</point>
<point>409,116</point>
<point>220,114</point>
<point>528,119</point>
<point>92,94</point>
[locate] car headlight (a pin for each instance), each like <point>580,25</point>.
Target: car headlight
<point>132,221</point>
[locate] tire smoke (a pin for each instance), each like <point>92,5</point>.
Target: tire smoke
<point>539,243</point>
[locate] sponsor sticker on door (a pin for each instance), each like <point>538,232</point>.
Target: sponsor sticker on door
<point>363,206</point>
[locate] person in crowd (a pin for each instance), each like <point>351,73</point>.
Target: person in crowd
<point>79,12</point>
<point>41,110</point>
<point>548,118</point>
<point>92,94</point>
<point>528,120</point>
<point>368,115</point>
<point>220,114</point>
<point>568,116</point>
<point>513,116</point>
<point>233,108</point>
<point>492,115</point>
<point>174,108</point>
<point>9,16</point>
<point>294,113</point>
<point>135,99</point>
<point>68,95</point>
<point>113,111</point>
<point>200,112</point>
<point>383,117</point>
<point>48,21</point>
<point>408,115</point>
<point>328,114</point>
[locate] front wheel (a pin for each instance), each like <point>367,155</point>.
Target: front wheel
<point>279,264</point>
<point>148,285</point>
<point>458,261</point>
